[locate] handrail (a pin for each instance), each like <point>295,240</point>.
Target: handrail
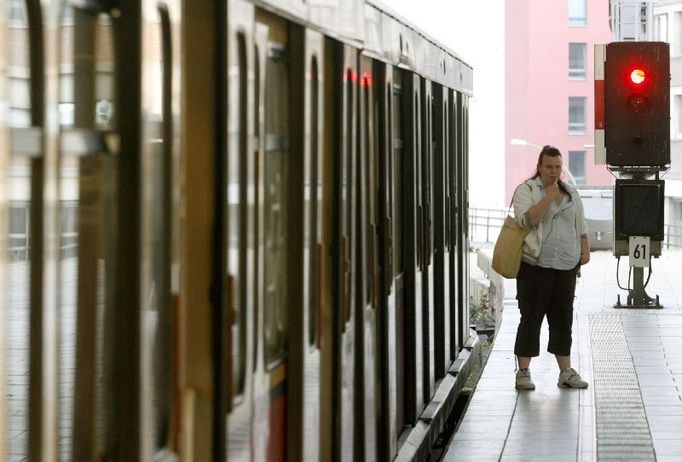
<point>485,223</point>
<point>482,221</point>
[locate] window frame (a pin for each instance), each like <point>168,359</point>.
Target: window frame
<point>577,73</point>
<point>580,180</point>
<point>577,127</point>
<point>661,19</point>
<point>573,6</point>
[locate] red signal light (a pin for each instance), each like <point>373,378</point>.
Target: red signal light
<point>637,76</point>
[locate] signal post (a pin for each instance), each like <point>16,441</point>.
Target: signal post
<point>632,137</point>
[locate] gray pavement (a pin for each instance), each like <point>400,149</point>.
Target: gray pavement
<point>632,359</point>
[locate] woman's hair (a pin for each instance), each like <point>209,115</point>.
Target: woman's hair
<point>550,151</point>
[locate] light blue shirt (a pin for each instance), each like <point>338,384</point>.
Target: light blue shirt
<point>560,238</point>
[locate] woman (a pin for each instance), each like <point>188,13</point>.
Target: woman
<point>553,251</point>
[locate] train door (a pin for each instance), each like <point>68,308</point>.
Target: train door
<point>386,290</point>
<point>22,161</point>
<point>413,247</point>
<point>453,181</point>
<point>160,230</point>
<point>367,277</point>
<point>306,342</point>
<point>290,255</point>
<point>462,229</point>
<point>427,192</point>
<point>236,180</point>
<point>396,253</point>
<point>281,328</point>
<point>441,250</point>
<point>341,108</point>
<point>464,179</point>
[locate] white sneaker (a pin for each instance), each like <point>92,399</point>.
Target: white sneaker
<point>569,378</point>
<point>523,381</point>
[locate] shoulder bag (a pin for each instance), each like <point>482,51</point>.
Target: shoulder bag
<point>509,248</point>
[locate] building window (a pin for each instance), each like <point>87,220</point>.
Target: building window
<point>576,165</point>
<point>675,38</point>
<point>576,115</point>
<point>577,12</point>
<point>676,128</point>
<point>631,21</point>
<point>661,28</point>
<point>577,57</point>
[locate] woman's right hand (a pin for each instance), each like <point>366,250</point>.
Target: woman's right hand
<point>553,191</point>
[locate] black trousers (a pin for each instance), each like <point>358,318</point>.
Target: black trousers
<point>544,291</point>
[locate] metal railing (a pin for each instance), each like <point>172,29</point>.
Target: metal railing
<point>485,224</point>
<point>673,235</point>
<point>484,227</point>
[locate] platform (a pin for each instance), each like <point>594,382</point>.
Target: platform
<point>632,359</point>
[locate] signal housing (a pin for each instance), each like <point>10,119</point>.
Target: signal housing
<point>637,104</point>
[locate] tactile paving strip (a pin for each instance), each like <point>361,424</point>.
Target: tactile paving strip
<point>622,428</point>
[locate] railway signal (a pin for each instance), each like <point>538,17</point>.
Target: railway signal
<point>637,104</point>
<point>632,136</point>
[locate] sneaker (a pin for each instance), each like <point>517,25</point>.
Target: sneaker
<point>523,381</point>
<point>569,378</point>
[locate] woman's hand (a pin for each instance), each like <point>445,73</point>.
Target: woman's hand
<point>537,211</point>
<point>584,249</point>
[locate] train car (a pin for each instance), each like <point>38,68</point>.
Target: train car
<point>231,230</point>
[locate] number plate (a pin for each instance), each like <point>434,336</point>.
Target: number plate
<point>640,249</point>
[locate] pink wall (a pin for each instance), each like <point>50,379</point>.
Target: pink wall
<point>537,84</point>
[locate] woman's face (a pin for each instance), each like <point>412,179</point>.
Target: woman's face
<point>550,169</point>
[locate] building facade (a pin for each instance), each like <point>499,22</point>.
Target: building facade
<point>549,89</point>
<point>668,28</point>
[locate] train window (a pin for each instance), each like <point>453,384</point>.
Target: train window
<point>388,162</point>
<point>314,192</point>
<point>236,218</point>
<point>446,170</point>
<point>426,172</point>
<point>68,225</point>
<point>420,180</point>
<point>156,227</point>
<point>88,220</point>
<point>346,196</point>
<point>276,207</point>
<point>18,231</point>
<point>454,178</point>
<point>19,98</point>
<point>433,187</point>
<point>397,175</point>
<point>17,113</point>
<point>374,196</point>
<point>66,15</point>
<point>17,13</point>
<point>257,140</point>
<point>369,194</point>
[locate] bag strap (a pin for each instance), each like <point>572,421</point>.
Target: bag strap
<point>512,199</point>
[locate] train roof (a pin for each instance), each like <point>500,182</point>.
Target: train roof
<point>382,33</point>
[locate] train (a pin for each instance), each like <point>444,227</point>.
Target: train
<point>231,230</point>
